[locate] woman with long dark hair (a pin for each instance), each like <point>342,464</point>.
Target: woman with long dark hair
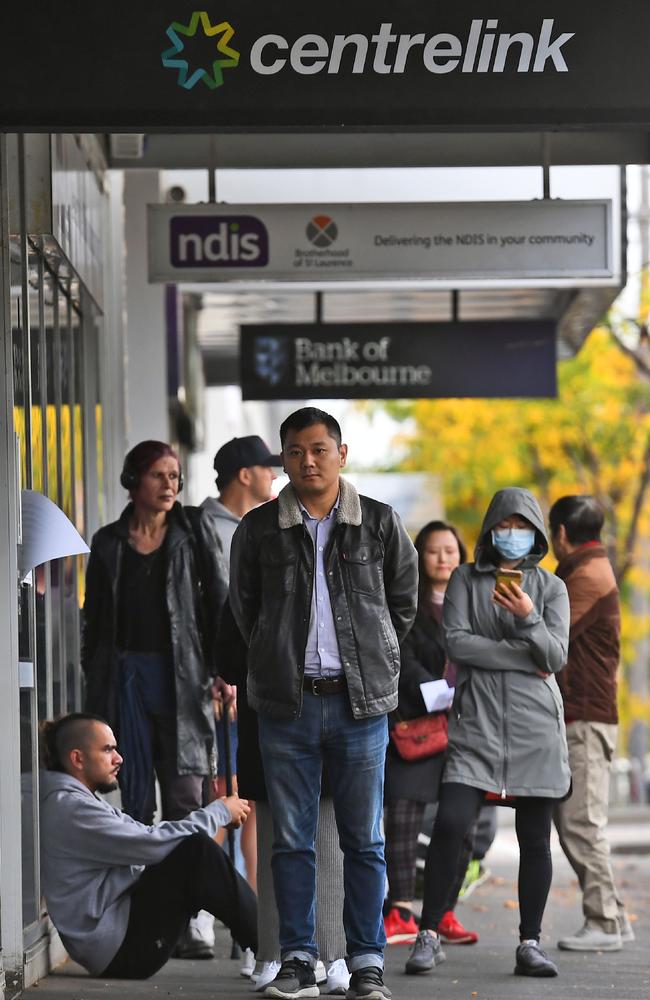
<point>506,625</point>
<point>412,784</point>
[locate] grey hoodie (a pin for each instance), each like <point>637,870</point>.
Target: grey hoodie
<point>225,523</point>
<point>506,732</point>
<point>92,855</point>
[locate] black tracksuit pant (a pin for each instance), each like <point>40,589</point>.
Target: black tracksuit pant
<point>196,875</point>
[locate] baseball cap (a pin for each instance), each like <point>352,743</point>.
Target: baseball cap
<point>241,453</point>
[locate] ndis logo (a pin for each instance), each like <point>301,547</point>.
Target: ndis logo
<point>176,57</point>
<point>218,241</point>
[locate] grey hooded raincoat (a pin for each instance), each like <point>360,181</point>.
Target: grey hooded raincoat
<point>506,730</point>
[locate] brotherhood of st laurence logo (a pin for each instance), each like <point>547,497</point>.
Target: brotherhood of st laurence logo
<point>226,57</point>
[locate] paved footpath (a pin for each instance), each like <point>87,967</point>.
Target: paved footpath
<point>478,972</point>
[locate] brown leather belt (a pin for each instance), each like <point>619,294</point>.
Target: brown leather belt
<point>324,685</point>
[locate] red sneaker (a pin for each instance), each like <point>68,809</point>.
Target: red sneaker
<point>398,930</point>
<point>451,931</point>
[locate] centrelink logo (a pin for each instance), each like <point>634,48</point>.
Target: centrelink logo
<point>482,48</point>
<point>173,58</point>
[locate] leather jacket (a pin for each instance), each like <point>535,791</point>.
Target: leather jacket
<point>196,589</point>
<point>372,578</point>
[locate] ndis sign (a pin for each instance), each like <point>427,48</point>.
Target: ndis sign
<point>198,241</point>
<point>434,244</point>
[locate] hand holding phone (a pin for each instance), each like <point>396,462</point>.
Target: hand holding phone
<point>506,578</point>
<point>509,595</point>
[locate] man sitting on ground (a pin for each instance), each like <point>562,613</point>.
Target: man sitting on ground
<point>121,893</point>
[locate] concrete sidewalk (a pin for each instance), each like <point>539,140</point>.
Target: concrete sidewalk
<point>479,972</point>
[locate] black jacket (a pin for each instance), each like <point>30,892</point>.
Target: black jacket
<point>423,659</point>
<point>196,589</point>
<point>231,653</point>
<point>372,578</point>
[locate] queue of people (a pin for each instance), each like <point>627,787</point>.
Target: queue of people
<point>328,629</point>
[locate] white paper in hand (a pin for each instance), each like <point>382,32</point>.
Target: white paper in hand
<point>437,695</point>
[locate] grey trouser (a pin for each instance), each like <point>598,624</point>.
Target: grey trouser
<point>180,794</point>
<point>329,887</point>
<point>582,819</point>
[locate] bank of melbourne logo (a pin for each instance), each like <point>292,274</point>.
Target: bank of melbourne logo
<point>271,356</point>
<point>215,241</point>
<point>173,58</point>
<point>321,231</point>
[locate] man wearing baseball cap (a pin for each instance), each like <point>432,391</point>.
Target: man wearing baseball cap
<point>244,468</point>
<point>245,475</point>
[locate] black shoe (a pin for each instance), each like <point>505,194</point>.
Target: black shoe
<point>368,984</point>
<point>533,961</point>
<point>295,979</point>
<point>426,953</point>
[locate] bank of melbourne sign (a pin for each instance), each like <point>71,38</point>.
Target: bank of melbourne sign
<point>242,65</point>
<point>393,361</point>
<point>442,245</point>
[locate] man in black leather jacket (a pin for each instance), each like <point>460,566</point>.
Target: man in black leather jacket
<point>324,587</point>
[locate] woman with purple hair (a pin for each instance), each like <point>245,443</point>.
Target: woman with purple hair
<point>155,585</point>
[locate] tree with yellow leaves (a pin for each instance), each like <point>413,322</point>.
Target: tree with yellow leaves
<point>594,438</point>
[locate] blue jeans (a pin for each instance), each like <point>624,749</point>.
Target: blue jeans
<point>353,752</point>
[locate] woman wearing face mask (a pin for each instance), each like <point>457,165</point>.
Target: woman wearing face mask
<point>506,732</point>
<point>411,784</point>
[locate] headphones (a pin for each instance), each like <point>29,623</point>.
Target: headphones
<point>130,479</point>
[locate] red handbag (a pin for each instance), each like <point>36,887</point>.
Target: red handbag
<point>418,738</point>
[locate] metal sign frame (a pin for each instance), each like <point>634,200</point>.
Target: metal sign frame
<point>437,245</point>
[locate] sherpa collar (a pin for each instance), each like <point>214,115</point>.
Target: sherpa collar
<point>349,509</point>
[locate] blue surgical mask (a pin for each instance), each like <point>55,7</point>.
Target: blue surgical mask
<point>513,543</point>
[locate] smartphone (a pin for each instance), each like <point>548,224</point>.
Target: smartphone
<point>506,577</point>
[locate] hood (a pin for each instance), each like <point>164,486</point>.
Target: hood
<point>50,782</point>
<point>513,500</point>
<point>215,508</point>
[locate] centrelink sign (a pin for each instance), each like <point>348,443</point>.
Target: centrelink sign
<point>482,49</point>
<point>246,65</point>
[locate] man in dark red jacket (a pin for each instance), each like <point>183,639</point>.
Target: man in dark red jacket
<point>588,685</point>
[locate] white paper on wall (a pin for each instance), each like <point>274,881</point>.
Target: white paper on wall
<point>47,533</point>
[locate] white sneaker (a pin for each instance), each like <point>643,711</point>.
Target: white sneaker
<point>267,974</point>
<point>248,963</point>
<point>320,972</point>
<point>338,977</point>
<point>204,922</point>
<point>198,939</point>
<point>625,927</point>
<point>590,938</point>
